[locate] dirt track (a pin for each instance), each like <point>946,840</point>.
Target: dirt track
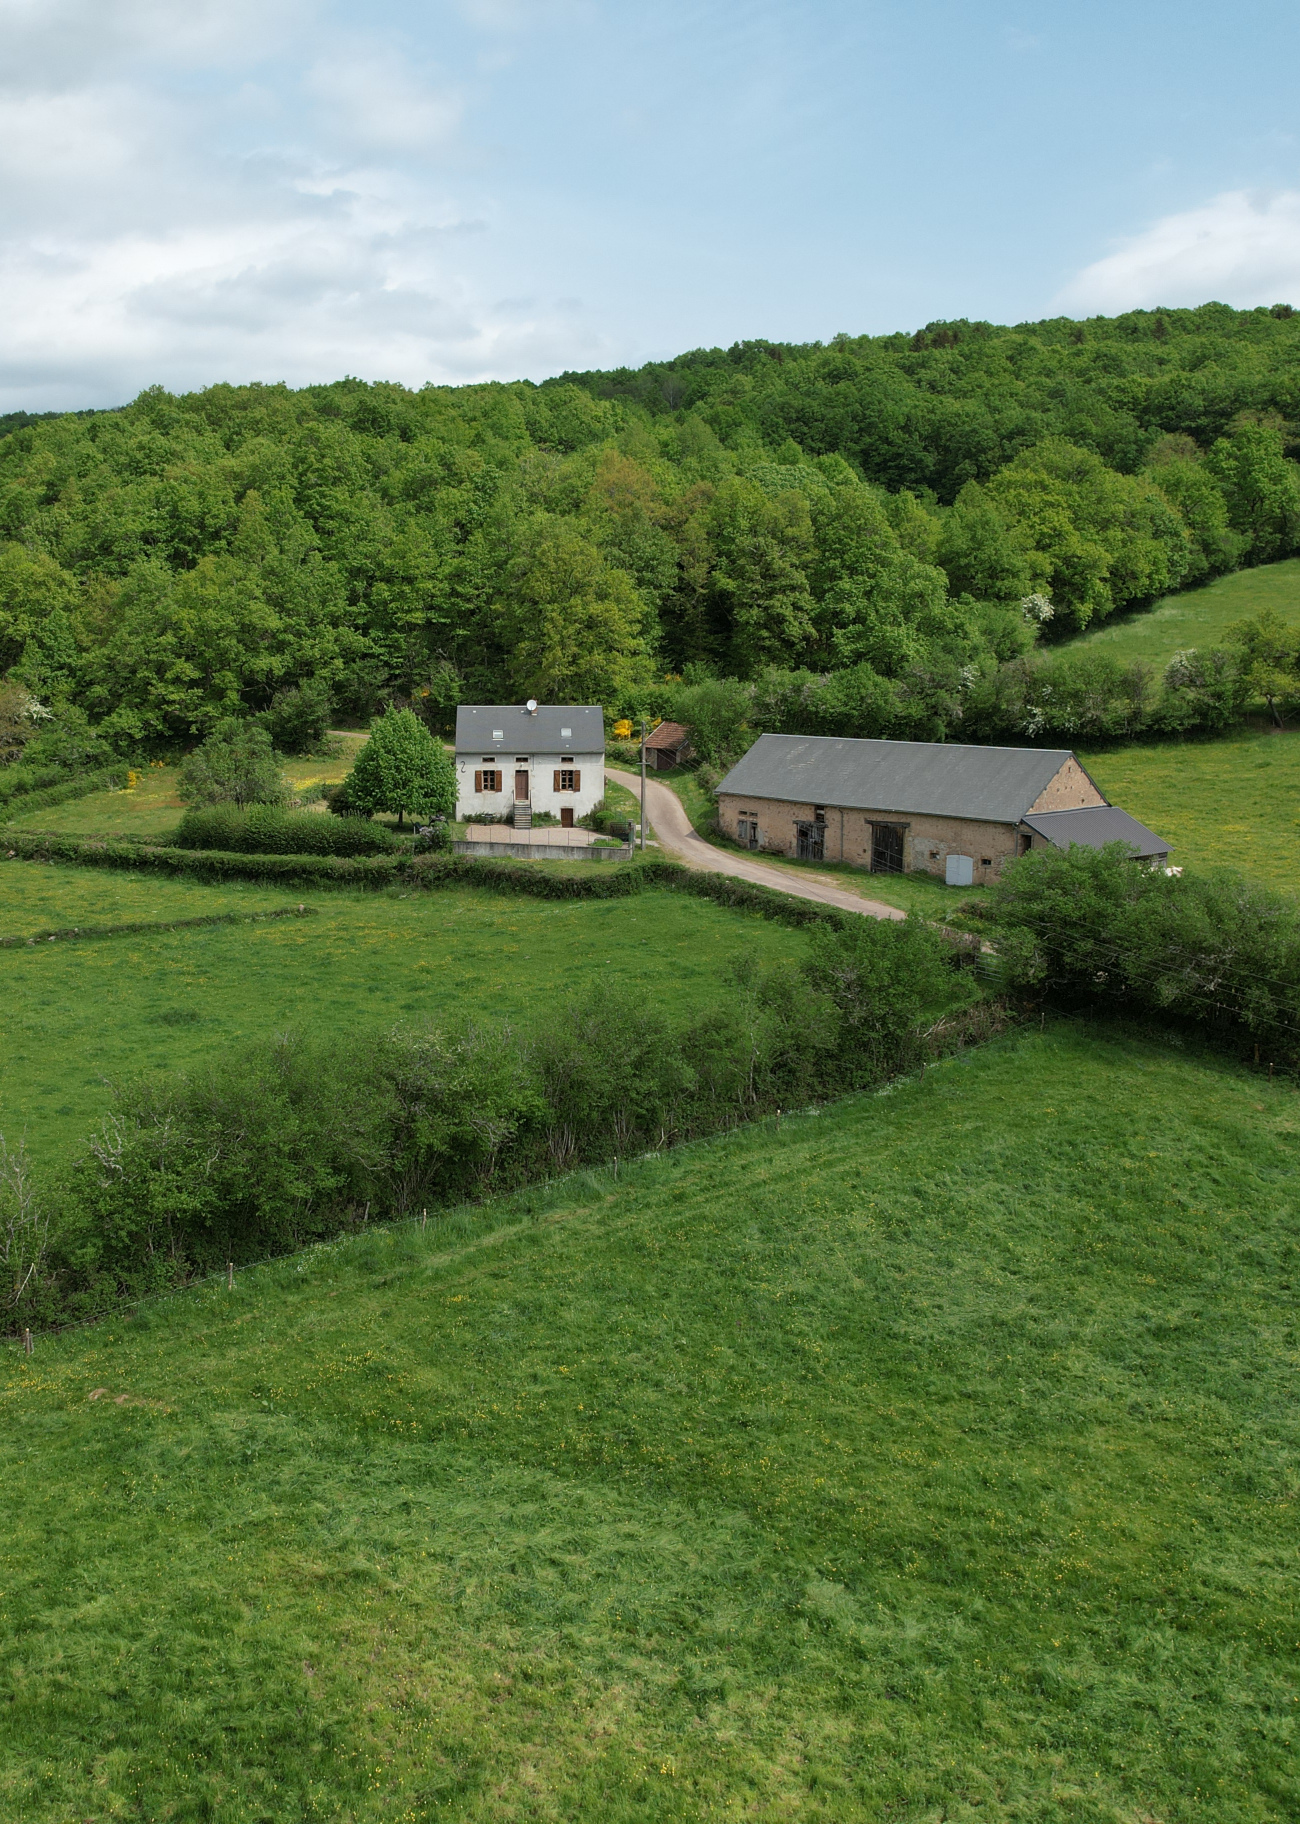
<point>668,820</point>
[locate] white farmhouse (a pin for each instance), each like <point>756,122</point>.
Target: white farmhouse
<point>528,759</point>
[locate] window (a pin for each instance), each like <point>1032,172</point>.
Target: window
<point>498,734</point>
<point>566,759</point>
<point>489,780</point>
<point>566,779</point>
<point>819,813</point>
<point>566,734</point>
<point>986,861</point>
<point>747,832</point>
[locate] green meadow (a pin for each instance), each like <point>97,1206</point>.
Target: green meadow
<point>1198,617</point>
<point>1231,802</point>
<point>81,1012</point>
<point>931,1456</point>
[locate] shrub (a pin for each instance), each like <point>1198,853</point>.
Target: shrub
<point>1093,925</point>
<point>268,830</point>
<point>235,765</point>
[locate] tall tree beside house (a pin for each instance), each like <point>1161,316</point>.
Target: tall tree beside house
<point>402,768</point>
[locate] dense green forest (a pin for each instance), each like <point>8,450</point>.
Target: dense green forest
<point>883,535</point>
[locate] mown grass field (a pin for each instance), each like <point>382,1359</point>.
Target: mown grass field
<point>1199,617</point>
<point>1232,802</point>
<point>933,1457</point>
<point>79,1012</point>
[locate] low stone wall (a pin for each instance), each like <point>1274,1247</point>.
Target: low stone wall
<point>546,851</point>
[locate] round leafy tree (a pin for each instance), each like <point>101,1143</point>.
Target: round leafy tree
<point>402,768</point>
<point>235,765</point>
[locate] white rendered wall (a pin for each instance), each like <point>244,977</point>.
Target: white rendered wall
<point>542,769</point>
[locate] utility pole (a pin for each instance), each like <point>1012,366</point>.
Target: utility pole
<point>643,782</point>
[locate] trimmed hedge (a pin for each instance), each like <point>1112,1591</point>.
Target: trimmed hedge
<point>265,829</point>
<point>427,871</point>
<point>19,804</point>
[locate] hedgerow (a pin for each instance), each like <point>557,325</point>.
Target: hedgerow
<point>295,1139</point>
<point>1090,926</point>
<point>43,798</point>
<point>537,881</point>
<point>264,829</point>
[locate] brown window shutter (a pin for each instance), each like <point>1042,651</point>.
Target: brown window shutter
<point>577,782</point>
<point>557,780</point>
<point>478,782</point>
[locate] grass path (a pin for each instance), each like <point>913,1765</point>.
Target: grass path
<point>933,1457</point>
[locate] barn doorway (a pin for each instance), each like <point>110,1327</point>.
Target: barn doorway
<point>521,788</point>
<point>812,841</point>
<point>887,848</point>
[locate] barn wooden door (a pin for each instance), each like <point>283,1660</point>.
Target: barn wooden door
<point>886,848</point>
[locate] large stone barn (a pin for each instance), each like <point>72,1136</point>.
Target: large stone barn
<point>901,806</point>
<point>525,758</point>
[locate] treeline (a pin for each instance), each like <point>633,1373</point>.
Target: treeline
<point>293,1140</point>
<point>911,515</point>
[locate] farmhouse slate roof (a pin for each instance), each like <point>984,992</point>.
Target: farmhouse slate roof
<point>923,778</point>
<point>1094,826</point>
<point>499,728</point>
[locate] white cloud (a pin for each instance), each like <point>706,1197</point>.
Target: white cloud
<point>183,204</point>
<point>375,98</point>
<point>1239,248</point>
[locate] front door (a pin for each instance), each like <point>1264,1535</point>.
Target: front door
<point>521,788</point>
<point>566,816</point>
<point>886,848</point>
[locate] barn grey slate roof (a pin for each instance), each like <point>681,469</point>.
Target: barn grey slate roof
<point>1094,826</point>
<point>543,732</point>
<point>922,778</point>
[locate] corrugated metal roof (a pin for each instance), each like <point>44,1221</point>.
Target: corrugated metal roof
<point>921,778</point>
<point>1094,826</point>
<point>498,728</point>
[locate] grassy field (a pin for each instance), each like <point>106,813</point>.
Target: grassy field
<point>79,1012</point>
<point>151,808</point>
<point>1231,802</point>
<point>933,1457</point>
<point>1199,617</point>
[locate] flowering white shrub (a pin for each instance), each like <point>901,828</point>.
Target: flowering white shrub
<point>1037,608</point>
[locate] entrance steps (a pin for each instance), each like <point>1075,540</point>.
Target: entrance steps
<point>523,818</point>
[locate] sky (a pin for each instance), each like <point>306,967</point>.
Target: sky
<point>204,190</point>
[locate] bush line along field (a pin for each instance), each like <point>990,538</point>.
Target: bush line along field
<point>826,1472</point>
<point>111,1008</point>
<point>1197,617</point>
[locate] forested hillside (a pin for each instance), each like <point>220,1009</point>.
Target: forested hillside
<point>880,536</point>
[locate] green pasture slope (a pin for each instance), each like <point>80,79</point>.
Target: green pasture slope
<point>1232,802</point>
<point>933,1457</point>
<point>1198,617</point>
<point>81,1012</point>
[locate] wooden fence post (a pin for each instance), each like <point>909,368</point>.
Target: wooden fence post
<point>28,1345</point>
<point>230,1276</point>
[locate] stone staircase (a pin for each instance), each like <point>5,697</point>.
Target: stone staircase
<point>523,816</point>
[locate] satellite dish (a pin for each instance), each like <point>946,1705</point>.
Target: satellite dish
<point>531,706</point>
